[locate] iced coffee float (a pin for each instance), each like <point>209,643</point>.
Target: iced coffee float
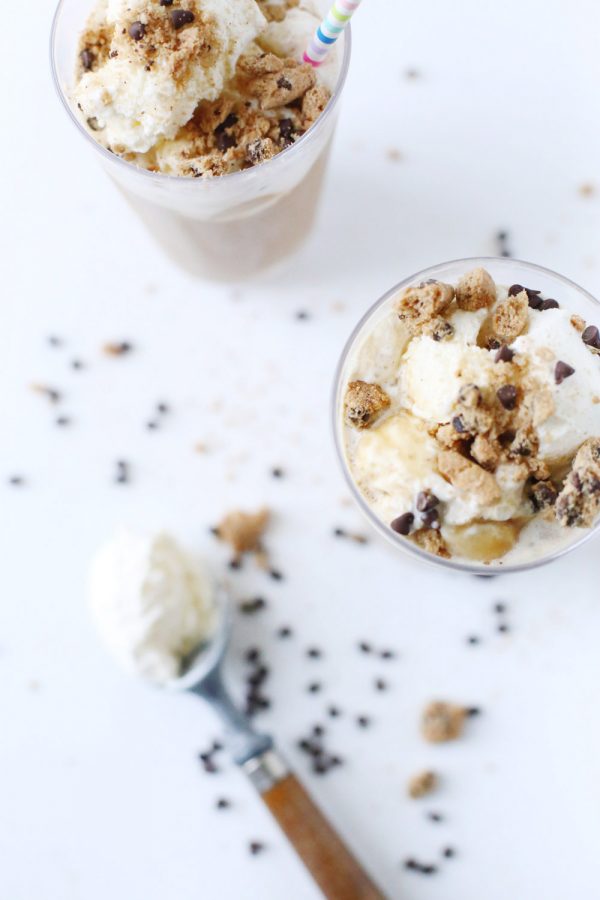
<point>199,87</point>
<point>471,420</point>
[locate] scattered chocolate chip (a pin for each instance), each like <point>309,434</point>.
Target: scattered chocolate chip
<point>333,712</point>
<point>339,532</point>
<point>318,731</point>
<point>223,803</point>
<point>403,524</point>
<point>472,711</point>
<point>549,304</point>
<point>535,301</point>
<point>387,654</point>
<point>284,83</point>
<point>503,628</point>
<point>364,647</point>
<point>473,639</point>
<point>276,575</point>
<point>117,348</point>
<point>435,817</point>
<point>459,425</point>
<point>137,30</point>
<point>123,473</point>
<point>284,632</point>
<point>152,425</point>
<point>252,655</point>
<point>380,684</point>
<point>302,315</point>
<point>255,847</point>
<point>87,59</point>
<point>449,852</point>
<point>314,653</point>
<point>507,395</point>
<point>506,438</point>
<point>591,337</point>
<point>52,394</point>
<point>543,495</point>
<point>163,409</point>
<point>562,370</point>
<point>502,239</point>
<point>235,564</point>
<point>515,289</point>
<point>500,608</point>
<point>55,341</point>
<point>426,501</point>
<point>181,17</point>
<point>504,354</point>
<point>249,607</point>
<point>63,421</point>
<point>16,480</point>
<point>77,365</point>
<point>314,687</point>
<point>363,721</point>
<point>277,473</point>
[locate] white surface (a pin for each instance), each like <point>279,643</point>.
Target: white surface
<point>100,791</point>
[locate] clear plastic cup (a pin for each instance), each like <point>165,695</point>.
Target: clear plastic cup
<point>503,271</point>
<point>226,227</point>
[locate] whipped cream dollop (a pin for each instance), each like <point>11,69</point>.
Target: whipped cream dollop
<point>152,603</point>
<point>160,64</point>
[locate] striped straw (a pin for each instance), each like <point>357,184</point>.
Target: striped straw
<point>329,30</point>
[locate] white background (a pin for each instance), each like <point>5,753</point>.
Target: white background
<point>100,791</point>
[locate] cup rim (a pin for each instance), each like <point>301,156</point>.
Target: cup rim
<point>398,541</point>
<point>229,178</point>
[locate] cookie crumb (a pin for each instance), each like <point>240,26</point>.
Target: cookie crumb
<point>441,722</point>
<point>422,784</point>
<point>476,290</point>
<point>364,403</point>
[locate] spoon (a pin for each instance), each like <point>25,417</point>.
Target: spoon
<point>330,862</point>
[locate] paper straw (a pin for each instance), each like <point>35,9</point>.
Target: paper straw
<point>329,30</point>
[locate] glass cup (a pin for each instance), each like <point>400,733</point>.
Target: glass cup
<point>503,271</point>
<point>227,227</point>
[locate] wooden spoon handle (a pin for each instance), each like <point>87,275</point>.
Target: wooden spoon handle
<point>332,865</point>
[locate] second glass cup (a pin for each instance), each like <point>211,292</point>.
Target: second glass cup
<point>227,227</point>
<point>374,352</point>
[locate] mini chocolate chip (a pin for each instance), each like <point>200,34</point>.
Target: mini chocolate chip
<point>302,315</point>
<point>16,480</point>
<point>286,129</point>
<point>76,364</point>
<point>363,721</point>
<point>255,847</point>
<point>380,684</point>
<point>314,687</point>
<point>252,654</point>
<point>166,2</point>
<point>137,30</point>
<point>426,501</point>
<point>364,647</point>
<point>504,354</point>
<point>535,301</point>
<point>459,425</point>
<point>493,344</point>
<point>403,524</point>
<point>387,654</point>
<point>276,575</point>
<point>277,473</point>
<point>87,59</point>
<point>507,437</point>
<point>314,653</point>
<point>63,421</point>
<point>333,712</point>
<point>449,852</point>
<point>435,817</point>
<point>562,370</point>
<point>162,408</point>
<point>473,711</point>
<point>507,395</point>
<point>225,141</point>
<point>591,337</point>
<point>235,564</point>
<point>500,608</point>
<point>473,639</point>
<point>223,803</point>
<point>284,632</point>
<point>181,17</point>
<point>549,304</point>
<point>515,289</point>
<point>503,628</point>
<point>229,122</point>
<point>431,519</point>
<point>284,83</point>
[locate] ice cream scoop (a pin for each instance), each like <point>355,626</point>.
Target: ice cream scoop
<point>152,592</point>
